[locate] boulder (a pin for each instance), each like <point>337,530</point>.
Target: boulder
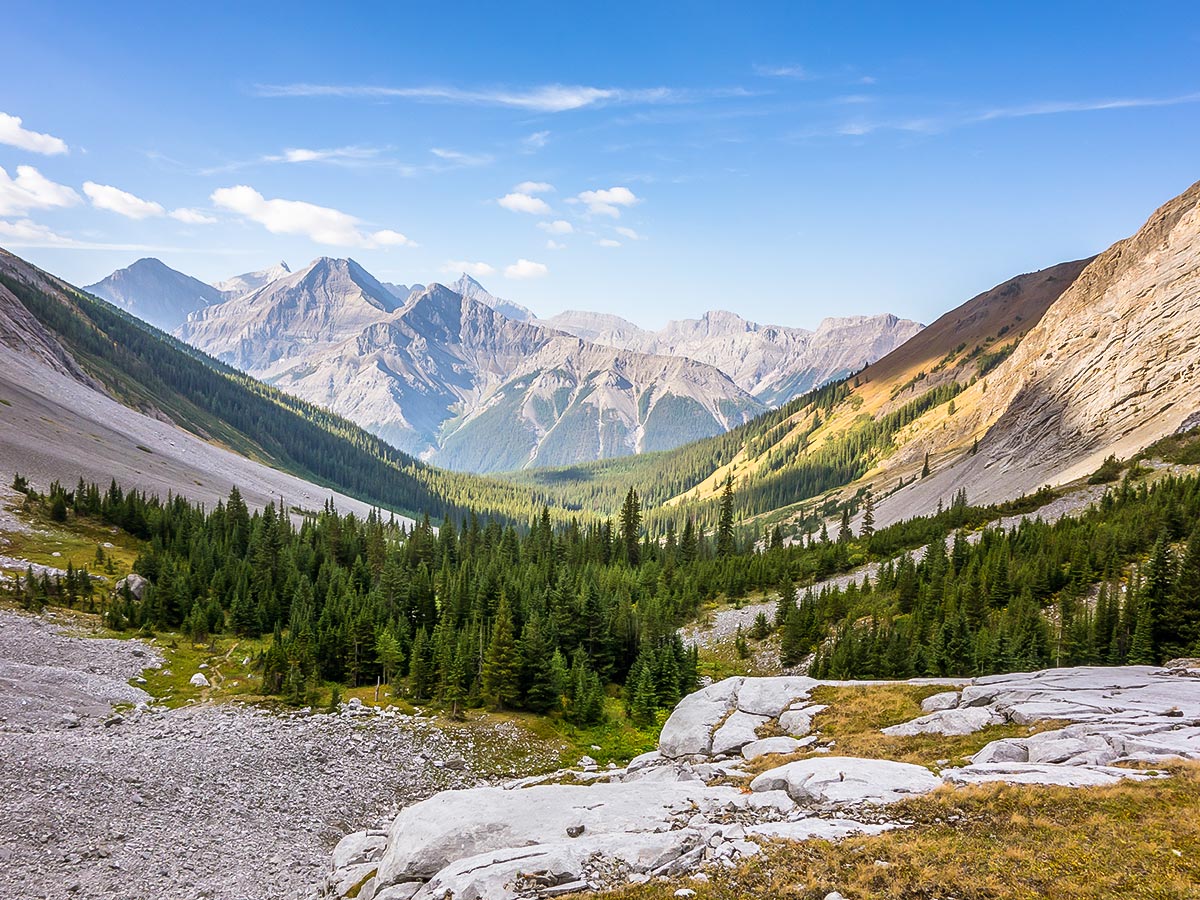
<point>453,825</point>
<point>1006,751</point>
<point>938,702</point>
<point>688,730</point>
<point>948,721</point>
<point>136,583</point>
<point>1056,747</point>
<point>359,847</point>
<point>836,780</point>
<point>771,696</point>
<point>798,722</point>
<point>198,680</point>
<point>736,732</point>
<point>755,749</point>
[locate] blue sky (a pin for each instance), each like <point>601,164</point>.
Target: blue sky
<point>786,161</point>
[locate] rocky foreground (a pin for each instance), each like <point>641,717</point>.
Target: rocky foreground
<point>684,807</point>
<point>212,801</point>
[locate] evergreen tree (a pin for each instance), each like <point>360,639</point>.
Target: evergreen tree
<point>502,664</point>
<point>726,544</point>
<point>630,524</point>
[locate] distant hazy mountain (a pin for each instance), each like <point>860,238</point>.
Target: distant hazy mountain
<point>469,287</point>
<point>457,382</point>
<point>771,362</point>
<point>403,291</point>
<point>251,281</point>
<point>156,293</point>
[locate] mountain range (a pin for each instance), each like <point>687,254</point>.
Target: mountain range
<point>468,380</point>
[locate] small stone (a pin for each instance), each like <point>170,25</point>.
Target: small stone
<point>574,830</point>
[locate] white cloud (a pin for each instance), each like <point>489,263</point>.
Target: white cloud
<point>552,244</point>
<point>123,203</point>
<point>607,242</point>
<point>628,232</point>
<point>32,190</point>
<point>524,269</point>
<point>605,202</point>
<point>474,269</point>
<point>318,223</point>
<point>524,203</point>
<point>535,141</point>
<point>192,216</point>
<point>544,98</point>
<point>558,226</point>
<point>534,187</point>
<point>14,135</point>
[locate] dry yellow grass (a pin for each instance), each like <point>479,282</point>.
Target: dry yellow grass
<point>995,842</point>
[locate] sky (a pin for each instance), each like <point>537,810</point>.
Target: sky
<point>787,161</point>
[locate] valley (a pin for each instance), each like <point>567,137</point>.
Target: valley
<point>506,452</point>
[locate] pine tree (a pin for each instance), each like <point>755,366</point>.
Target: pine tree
<point>502,664</point>
<point>1141,648</point>
<point>726,544</point>
<point>1183,611</point>
<point>793,647</point>
<point>925,467</point>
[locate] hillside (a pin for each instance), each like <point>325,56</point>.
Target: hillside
<point>76,365</point>
<point>834,435</point>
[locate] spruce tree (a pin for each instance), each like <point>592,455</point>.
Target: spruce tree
<point>726,545</point>
<point>502,663</point>
<point>630,525</point>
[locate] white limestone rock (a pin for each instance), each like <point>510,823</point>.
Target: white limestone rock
<point>198,680</point>
<point>939,702</point>
<point>736,732</point>
<point>755,749</point>
<point>1030,773</point>
<point>948,722</point>
<point>771,696</point>
<point>836,780</point>
<point>815,828</point>
<point>428,836</point>
<point>798,722</point>
<point>689,729</point>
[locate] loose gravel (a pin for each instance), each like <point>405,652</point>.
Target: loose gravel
<point>208,801</point>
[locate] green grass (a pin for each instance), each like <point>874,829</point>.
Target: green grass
<point>74,540</point>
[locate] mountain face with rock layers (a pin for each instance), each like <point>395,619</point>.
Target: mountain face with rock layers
<point>1111,367</point>
<point>455,381</point>
<point>156,293</point>
<point>771,362</point>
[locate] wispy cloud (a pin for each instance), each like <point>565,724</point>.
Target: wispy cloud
<point>535,141</point>
<point>459,158</point>
<point>320,224</point>
<point>13,133</point>
<point>942,122</point>
<point>607,242</point>
<point>787,71</point>
<point>548,98</point>
<point>337,155</point>
<point>558,226</point>
<point>26,233</point>
<point>629,233</point>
